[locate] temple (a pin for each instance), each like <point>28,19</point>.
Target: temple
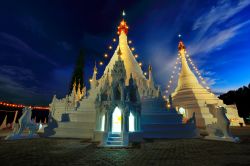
<point>121,107</point>
<point>190,96</point>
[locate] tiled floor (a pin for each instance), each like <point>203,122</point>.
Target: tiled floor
<point>184,152</point>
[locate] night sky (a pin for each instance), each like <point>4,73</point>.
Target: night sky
<point>40,41</point>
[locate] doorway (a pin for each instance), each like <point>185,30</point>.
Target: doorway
<point>116,120</point>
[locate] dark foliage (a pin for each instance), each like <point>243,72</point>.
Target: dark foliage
<point>241,98</point>
<point>78,72</point>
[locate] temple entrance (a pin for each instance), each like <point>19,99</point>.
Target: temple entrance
<point>116,120</point>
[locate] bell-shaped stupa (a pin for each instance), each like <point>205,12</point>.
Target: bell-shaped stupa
<point>190,96</point>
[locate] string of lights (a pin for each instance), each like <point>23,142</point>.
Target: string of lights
<point>110,47</point>
<point>122,27</point>
<point>22,106</point>
<point>202,80</point>
<point>171,80</point>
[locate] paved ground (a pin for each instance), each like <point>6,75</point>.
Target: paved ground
<point>163,152</point>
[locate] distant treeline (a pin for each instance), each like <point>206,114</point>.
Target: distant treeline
<point>241,98</point>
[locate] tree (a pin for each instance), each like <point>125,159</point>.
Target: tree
<point>78,72</point>
<point>240,97</point>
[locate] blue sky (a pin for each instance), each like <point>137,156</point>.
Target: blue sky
<point>39,41</point>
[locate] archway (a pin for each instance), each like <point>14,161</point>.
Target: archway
<point>131,122</point>
<point>116,120</point>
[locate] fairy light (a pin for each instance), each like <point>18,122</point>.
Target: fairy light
<point>129,42</point>
<point>197,72</point>
<point>101,63</point>
<point>170,82</point>
<point>22,106</point>
<point>132,48</point>
<point>136,55</point>
<point>114,39</point>
<point>110,47</point>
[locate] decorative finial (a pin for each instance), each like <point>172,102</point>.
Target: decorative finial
<point>181,46</point>
<point>123,25</point>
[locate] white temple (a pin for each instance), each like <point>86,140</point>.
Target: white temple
<point>190,96</point>
<point>122,106</point>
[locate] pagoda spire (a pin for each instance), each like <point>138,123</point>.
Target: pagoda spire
<point>150,76</point>
<point>74,87</point>
<point>79,90</point>
<point>130,63</point>
<point>94,72</point>
<point>123,27</point>
<point>93,80</point>
<point>187,77</point>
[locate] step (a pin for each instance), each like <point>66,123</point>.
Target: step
<point>114,138</point>
<point>169,135</point>
<point>169,132</point>
<point>115,135</point>
<point>161,118</point>
<point>114,142</point>
<point>84,116</point>
<point>115,146</point>
<point>161,127</point>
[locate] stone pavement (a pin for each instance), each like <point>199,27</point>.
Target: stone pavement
<point>62,152</point>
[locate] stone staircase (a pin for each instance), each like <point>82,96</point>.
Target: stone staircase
<point>74,130</point>
<point>114,140</point>
<point>165,124</point>
<point>75,124</point>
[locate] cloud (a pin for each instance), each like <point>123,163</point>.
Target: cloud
<point>220,13</point>
<point>19,85</point>
<point>19,73</point>
<point>14,42</point>
<point>210,43</point>
<point>214,29</point>
<point>211,28</point>
<point>13,88</point>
